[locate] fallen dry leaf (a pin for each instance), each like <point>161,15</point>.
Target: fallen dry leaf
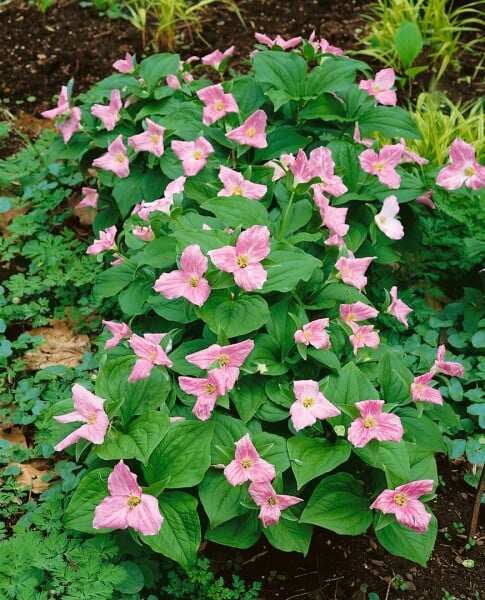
<point>31,474</point>
<point>13,435</point>
<point>61,346</point>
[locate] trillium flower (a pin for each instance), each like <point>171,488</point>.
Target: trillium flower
<point>374,424</point>
<point>192,154</point>
<point>358,311</point>
<point>236,185</point>
<point>364,141</point>
<point>118,331</point>
<point>421,391</point>
<point>352,270</point>
<point>332,217</point>
<point>107,241</point>
<point>72,124</point>
<point>252,131</point>
<point>322,166</point>
<point>127,505</point>
<point>62,107</point>
<point>115,159</point>
<point>214,59</point>
<point>464,168</point>
<point>244,261</point>
<point>189,282</point>
<point>301,169</point>
<point>144,209</point>
<point>217,103</point>
<point>408,156</point>
<point>324,46</point>
<point>426,199</point>
<point>383,164</point>
<point>362,336</point>
<point>207,391</point>
<point>310,405</point>
<point>143,232</point>
<point>227,359</point>
<point>150,140</point>
<point>380,87</point>
<point>173,82</point>
<point>386,219</point>
<point>248,465</point>
<point>278,41</point>
<point>124,65</point>
<point>403,502</point>
<point>285,161</point>
<point>271,504</point>
<point>90,198</point>
<point>150,353</point>
<point>453,369</point>
<point>89,409</point>
<point>109,115</point>
<point>397,308</point>
<point>314,334</point>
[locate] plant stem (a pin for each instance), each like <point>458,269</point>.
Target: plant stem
<point>286,215</point>
<point>476,505</point>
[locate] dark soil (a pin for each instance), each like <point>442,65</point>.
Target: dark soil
<point>41,53</point>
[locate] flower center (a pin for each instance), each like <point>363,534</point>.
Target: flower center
<point>246,463</point>
<point>376,88</point>
<point>420,389</point>
<point>469,171</point>
<point>251,132</point>
<point>307,335</point>
<point>120,158</point>
<point>307,402</point>
<point>91,419</point>
<point>346,271</point>
<point>223,360</point>
<point>238,191</point>
<point>272,500</point>
<point>401,499</point>
<point>369,422</point>
<point>378,167</point>
<point>210,389</point>
<point>194,281</point>
<point>197,155</point>
<point>154,139</point>
<point>242,261</point>
<point>152,356</point>
<point>219,105</point>
<point>133,501</point>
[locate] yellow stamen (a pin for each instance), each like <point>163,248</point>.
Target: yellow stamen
<point>133,501</point>
<point>219,105</point>
<point>307,402</point>
<point>194,281</point>
<point>120,158</point>
<point>210,389</point>
<point>154,139</point>
<point>379,167</point>
<point>223,360</point>
<point>401,499</point>
<point>307,335</point>
<point>246,463</point>
<point>272,500</point>
<point>251,132</point>
<point>197,155</point>
<point>238,191</point>
<point>242,261</point>
<point>469,171</point>
<point>91,419</point>
<point>369,422</point>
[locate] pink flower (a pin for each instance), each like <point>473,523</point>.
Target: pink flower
<point>426,199</point>
<point>189,282</point>
<point>404,504</point>
<point>383,164</point>
<point>236,185</point>
<point>278,41</point>
<point>323,45</point>
<point>453,369</point>
<point>422,392</point>
<point>192,154</point>
<point>115,159</point>
<point>397,308</point>
<point>314,334</point>
<point>374,424</point>
<point>358,311</point>
<point>363,335</point>
<point>352,270</point>
<point>107,241</point>
<point>227,358</point>
<point>62,107</point>
<point>118,331</point>
<point>144,209</point>
<point>109,115</point>
<point>380,87</point>
<point>244,261</point>
<point>127,506</point>
<point>364,141</point>
<point>214,59</point>
<point>310,405</point>
<point>71,124</point>
<point>143,232</point>
<point>284,162</point>
<point>150,353</point>
<point>408,156</point>
<point>89,409</point>
<point>150,140</point>
<point>173,82</point>
<point>271,504</point>
<point>333,218</point>
<point>217,103</point>
<point>386,219</point>
<point>124,65</point>
<point>323,166</point>
<point>252,131</point>
<point>207,391</point>
<point>90,198</point>
<point>464,168</point>
<point>248,465</point>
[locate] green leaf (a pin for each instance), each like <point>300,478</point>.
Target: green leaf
<point>349,386</point>
<point>324,357</point>
<point>289,536</point>
<point>237,211</point>
<point>221,500</point>
<point>155,68</point>
<point>93,488</point>
<point>134,580</point>
<point>402,541</point>
<point>113,280</point>
<point>338,503</point>
<point>177,310</point>
<point>421,430</point>
<point>241,532</point>
<point>283,139</point>
<point>248,95</point>
<point>390,121</point>
<point>183,454</point>
<point>312,457</point>
<point>394,378</point>
<point>133,299</point>
<point>408,42</point>
<point>128,191</point>
<point>159,253</point>
<point>273,449</point>
<point>236,315</point>
<point>228,430</point>
<point>206,239</point>
<point>326,107</point>
<point>247,396</point>
<point>289,265</point>
<point>334,75</point>
<point>179,537</point>
<point>285,72</point>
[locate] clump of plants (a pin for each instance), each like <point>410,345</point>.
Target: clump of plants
<point>246,390</point>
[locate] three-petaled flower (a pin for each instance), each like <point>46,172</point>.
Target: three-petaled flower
<point>236,185</point>
<point>217,103</point>
<point>380,87</point>
<point>383,164</point>
<point>115,159</point>
<point>207,390</point>
<point>421,391</point>
<point>150,353</point>
<point>271,504</point>
<point>192,154</point>
<point>398,308</point>
<point>314,333</point>
<point>374,424</point>
<point>310,405</point>
<point>252,131</point>
<point>464,168</point>
<point>352,269</point>
<point>386,219</point>
<point>110,114</point>
<point>150,140</point>
<point>248,465</point>
<point>106,241</point>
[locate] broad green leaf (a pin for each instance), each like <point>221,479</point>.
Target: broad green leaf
<point>326,107</point>
<point>93,488</point>
<point>284,71</point>
<point>395,460</point>
<point>241,532</point>
<point>312,457</point>
<point>349,386</point>
<point>289,536</point>
<point>183,454</point>
<point>235,211</point>
<point>334,75</point>
<point>155,68</point>
<point>335,293</point>
<point>178,310</point>
<point>160,253</point>
<point>338,503</point>
<point>423,463</point>
<point>273,449</point>
<point>345,155</point>
<point>289,265</point>
<point>179,537</point>
<point>408,42</point>
<point>248,95</point>
<point>206,239</point>
<point>236,315</point>
<point>220,499</point>
<point>324,357</point>
<point>127,192</point>
<point>390,121</point>
<point>133,299</point>
<point>280,328</point>
<point>394,378</point>
<point>247,396</point>
<point>134,580</point>
<point>228,430</point>
<point>113,280</point>
<point>402,541</point>
<point>282,140</point>
<point>266,357</point>
<point>421,430</point>
<point>186,120</point>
